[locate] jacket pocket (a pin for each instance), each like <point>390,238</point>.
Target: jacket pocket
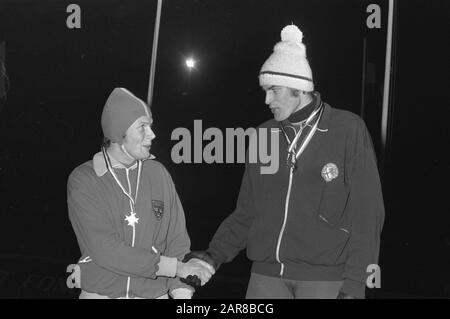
<point>343,229</point>
<point>316,241</point>
<point>333,202</point>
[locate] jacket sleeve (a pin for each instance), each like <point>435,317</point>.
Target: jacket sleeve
<point>96,234</point>
<point>231,236</point>
<point>365,208</point>
<point>178,241</point>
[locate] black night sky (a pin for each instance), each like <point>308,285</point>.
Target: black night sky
<point>58,80</point>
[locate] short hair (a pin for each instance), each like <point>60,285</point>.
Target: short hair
<point>106,142</point>
<point>295,92</point>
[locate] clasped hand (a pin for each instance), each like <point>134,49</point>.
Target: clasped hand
<point>195,267</point>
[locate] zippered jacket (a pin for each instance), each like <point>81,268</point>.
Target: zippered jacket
<point>119,259</point>
<point>320,221</point>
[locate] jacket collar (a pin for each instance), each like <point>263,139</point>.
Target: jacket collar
<point>325,119</point>
<point>303,113</point>
<point>100,167</point>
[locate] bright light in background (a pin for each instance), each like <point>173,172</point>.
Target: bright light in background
<point>190,63</point>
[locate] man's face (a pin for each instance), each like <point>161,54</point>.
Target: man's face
<point>138,139</point>
<point>282,101</point>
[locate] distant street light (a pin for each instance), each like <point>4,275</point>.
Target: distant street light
<point>190,63</point>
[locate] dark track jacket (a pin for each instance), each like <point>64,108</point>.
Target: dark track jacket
<point>304,225</point>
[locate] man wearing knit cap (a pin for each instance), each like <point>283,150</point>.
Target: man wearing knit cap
<point>312,228</point>
<point>126,214</point>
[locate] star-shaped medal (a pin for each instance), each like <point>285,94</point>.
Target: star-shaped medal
<point>132,219</point>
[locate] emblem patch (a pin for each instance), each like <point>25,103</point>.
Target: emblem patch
<point>330,172</point>
<point>158,208</point>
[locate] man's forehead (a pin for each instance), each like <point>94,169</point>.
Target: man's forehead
<point>147,118</point>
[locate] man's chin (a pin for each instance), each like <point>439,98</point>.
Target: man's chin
<point>145,155</point>
<point>278,116</point>
<point>145,150</point>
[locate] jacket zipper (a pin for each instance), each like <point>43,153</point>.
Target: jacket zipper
<point>286,207</point>
<point>291,172</point>
<point>288,196</point>
<point>134,229</point>
<point>131,201</point>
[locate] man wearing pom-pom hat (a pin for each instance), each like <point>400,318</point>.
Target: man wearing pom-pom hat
<point>127,216</point>
<point>313,228</point>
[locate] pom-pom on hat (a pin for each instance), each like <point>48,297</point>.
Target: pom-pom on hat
<point>288,66</point>
<point>120,111</point>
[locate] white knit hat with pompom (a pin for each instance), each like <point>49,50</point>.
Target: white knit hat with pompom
<point>288,66</point>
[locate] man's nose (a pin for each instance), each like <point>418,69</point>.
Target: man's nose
<point>269,97</point>
<point>149,132</point>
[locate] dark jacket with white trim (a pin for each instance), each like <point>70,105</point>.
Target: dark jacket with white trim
<point>332,227</point>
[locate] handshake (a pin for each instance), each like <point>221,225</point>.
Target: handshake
<point>196,269</point>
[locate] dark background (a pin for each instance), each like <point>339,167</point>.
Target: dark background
<point>58,80</point>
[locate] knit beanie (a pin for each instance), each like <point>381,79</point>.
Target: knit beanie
<point>120,111</point>
<point>288,66</point>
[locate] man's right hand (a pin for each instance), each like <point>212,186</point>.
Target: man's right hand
<point>195,267</point>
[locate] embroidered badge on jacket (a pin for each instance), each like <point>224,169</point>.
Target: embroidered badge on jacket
<point>158,208</point>
<point>330,172</point>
